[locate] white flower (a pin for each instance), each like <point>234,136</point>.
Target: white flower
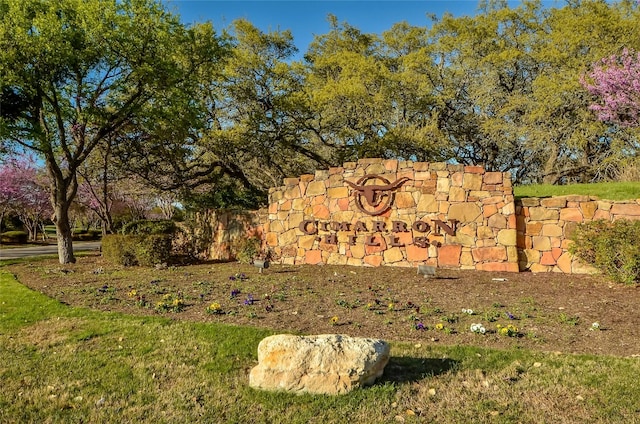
<point>595,326</point>
<point>467,311</point>
<point>478,328</point>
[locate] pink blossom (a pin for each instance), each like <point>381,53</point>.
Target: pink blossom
<point>615,81</point>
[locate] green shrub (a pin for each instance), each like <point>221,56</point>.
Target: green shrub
<point>130,250</point>
<point>84,235</point>
<point>119,249</point>
<point>613,248</point>
<point>152,249</point>
<point>150,227</point>
<point>18,237</point>
<point>247,249</point>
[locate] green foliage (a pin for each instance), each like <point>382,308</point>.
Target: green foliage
<point>17,237</point>
<point>86,234</point>
<point>76,73</point>
<point>118,249</point>
<point>152,249</point>
<point>247,249</point>
<point>613,248</point>
<point>143,250</point>
<point>147,227</point>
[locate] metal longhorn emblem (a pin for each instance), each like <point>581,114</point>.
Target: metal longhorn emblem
<point>379,198</point>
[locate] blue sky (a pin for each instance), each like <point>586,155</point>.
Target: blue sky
<point>308,18</point>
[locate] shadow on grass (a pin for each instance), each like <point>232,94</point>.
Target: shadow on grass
<point>405,369</point>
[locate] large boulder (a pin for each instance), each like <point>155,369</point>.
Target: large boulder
<point>323,364</point>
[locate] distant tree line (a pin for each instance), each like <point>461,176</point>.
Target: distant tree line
<point>105,93</point>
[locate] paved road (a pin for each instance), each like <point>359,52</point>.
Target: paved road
<point>51,249</point>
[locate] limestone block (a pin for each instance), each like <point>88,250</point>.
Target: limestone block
<point>338,192</point>
<point>288,237</point>
<point>554,202</point>
<point>497,221</point>
<point>456,179</point>
<point>391,165</point>
<point>373,260</point>
<point>602,214</point>
<point>393,255</point>
<point>531,256</point>
<point>472,181</point>
<point>321,212</point>
<point>316,188</point>
<point>457,194</point>
<point>443,184</point>
<point>404,200</point>
<point>543,214</point>
<point>271,239</point>
<point>479,194</point>
<point>485,233</point>
<point>324,364</point>
<point>489,254</point>
<point>298,204</point>
<point>336,258</point>
<point>551,230</point>
<point>335,181</point>
<point>629,210</point>
<point>427,203</point>
<point>292,192</point>
<point>509,209</point>
<point>588,209</point>
<point>464,212</point>
<point>564,263</point>
<point>541,243</point>
<point>376,168</point>
<point>474,169</point>
<point>466,259</point>
<point>493,178</point>
<point>539,268</point>
<point>306,242</point>
<point>530,202</point>
<point>295,219</point>
<point>416,254</point>
<point>357,250</point>
<point>507,237</point>
<point>571,214</point>
<point>449,255</point>
<point>276,226</point>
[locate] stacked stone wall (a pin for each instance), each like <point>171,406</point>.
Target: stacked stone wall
<point>217,234</point>
<point>315,219</point>
<point>546,225</point>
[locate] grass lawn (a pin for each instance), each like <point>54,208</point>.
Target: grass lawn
<point>65,364</point>
<point>605,191</point>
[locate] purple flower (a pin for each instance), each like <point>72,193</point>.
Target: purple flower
<point>249,300</point>
<point>269,308</point>
<point>420,326</point>
<point>235,293</point>
<point>232,278</point>
<point>510,315</point>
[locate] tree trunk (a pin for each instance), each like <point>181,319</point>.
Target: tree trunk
<point>64,234</point>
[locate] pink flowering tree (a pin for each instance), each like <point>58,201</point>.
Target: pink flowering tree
<point>24,192</point>
<point>615,82</point>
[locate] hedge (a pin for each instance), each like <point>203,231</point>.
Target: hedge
<point>17,237</point>
<point>143,250</point>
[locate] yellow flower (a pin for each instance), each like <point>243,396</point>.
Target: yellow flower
<point>132,293</point>
<point>334,320</point>
<point>391,305</point>
<point>439,326</point>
